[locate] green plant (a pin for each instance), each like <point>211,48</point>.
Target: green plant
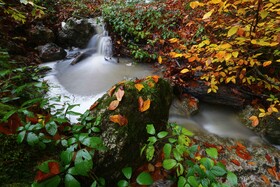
<point>183,159</point>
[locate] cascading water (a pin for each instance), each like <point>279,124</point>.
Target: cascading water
<point>87,80</point>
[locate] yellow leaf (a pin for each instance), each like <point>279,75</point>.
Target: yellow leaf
<point>225,46</point>
<point>255,120</point>
<point>208,14</point>
<point>261,115</point>
<point>235,54</point>
<point>173,40</point>
<point>139,86</point>
<point>232,31</point>
<point>113,105</point>
<point>215,1</point>
<point>274,109</point>
<point>175,55</point>
<point>143,105</point>
<point>195,4</point>
<point>274,44</point>
<point>160,59</point>
<point>121,120</point>
<point>184,70</point>
<point>262,110</point>
<point>267,63</point>
<point>228,56</point>
<point>223,74</point>
<point>263,14</point>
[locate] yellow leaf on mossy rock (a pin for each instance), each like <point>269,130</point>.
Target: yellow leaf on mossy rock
<point>139,86</point>
<point>143,105</point>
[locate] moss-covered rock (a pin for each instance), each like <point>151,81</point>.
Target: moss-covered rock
<point>123,128</point>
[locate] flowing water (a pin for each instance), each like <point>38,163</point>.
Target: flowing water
<point>86,81</point>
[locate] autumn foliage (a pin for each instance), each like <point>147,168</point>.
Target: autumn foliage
<point>218,42</point>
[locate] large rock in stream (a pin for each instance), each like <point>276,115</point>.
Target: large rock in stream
<point>125,111</point>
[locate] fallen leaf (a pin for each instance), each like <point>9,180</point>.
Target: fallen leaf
<point>255,120</point>
<point>252,163</point>
<point>119,94</point>
<point>208,14</point>
<point>111,91</point>
<point>139,86</point>
<point>184,71</point>
<point>244,154</point>
<point>268,158</point>
<point>151,84</point>
<point>155,78</point>
<point>267,63</point>
<point>173,40</point>
<point>113,105</point>
<point>93,105</point>
<point>236,162</point>
<point>121,120</point>
<point>160,59</point>
<point>265,179</point>
<point>143,105</point>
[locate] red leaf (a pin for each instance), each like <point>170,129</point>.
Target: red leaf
<point>40,176</point>
<point>236,162</point>
<point>54,168</point>
<point>268,158</point>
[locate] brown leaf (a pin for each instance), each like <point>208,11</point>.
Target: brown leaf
<point>236,162</point>
<point>121,120</point>
<point>113,105</point>
<point>119,94</point>
<point>139,86</point>
<point>143,105</point>
<point>111,91</point>
<point>93,105</point>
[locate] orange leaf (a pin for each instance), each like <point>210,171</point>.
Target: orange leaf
<point>267,63</point>
<point>143,105</point>
<point>139,86</point>
<point>191,59</point>
<point>265,179</point>
<point>121,120</point>
<point>151,84</point>
<point>252,163</point>
<point>119,94</point>
<point>155,78</point>
<point>54,168</point>
<point>113,105</point>
<point>255,120</point>
<point>93,105</point>
<point>111,91</point>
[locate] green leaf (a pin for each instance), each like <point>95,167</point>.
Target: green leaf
<point>127,171</point>
<point>8,115</point>
<point>207,163</point>
<point>152,139</point>
<point>192,180</point>
<point>151,129</point>
<point>167,150</point>
<point>32,138</point>
<point>21,136</point>
<point>150,151</point>
<point>212,152</point>
<point>144,178</point>
<point>93,142</point>
<point>44,167</point>
<point>70,181</point>
<point>51,128</point>
<point>52,182</point>
<point>187,132</point>
<point>169,163</point>
<point>218,171</point>
<point>172,140</point>
<point>83,162</point>
<point>123,183</point>
<point>66,156</point>
<point>182,181</point>
<point>162,134</point>
<point>232,178</point>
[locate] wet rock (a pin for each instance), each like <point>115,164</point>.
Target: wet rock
<point>225,95</point>
<point>268,127</point>
<point>251,161</point>
<point>40,35</point>
<point>83,55</point>
<point>76,32</point>
<point>124,138</point>
<point>51,52</point>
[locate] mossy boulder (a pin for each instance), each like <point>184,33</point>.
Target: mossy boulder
<point>125,111</point>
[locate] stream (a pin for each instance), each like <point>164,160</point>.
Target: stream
<point>84,82</point>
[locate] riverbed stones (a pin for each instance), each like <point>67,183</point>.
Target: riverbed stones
<point>51,52</point>
<point>40,35</point>
<point>123,128</point>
